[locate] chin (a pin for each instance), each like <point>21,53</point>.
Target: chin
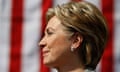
<point>50,61</point>
<point>49,64</point>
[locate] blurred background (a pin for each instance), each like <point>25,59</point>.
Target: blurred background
<point>22,23</point>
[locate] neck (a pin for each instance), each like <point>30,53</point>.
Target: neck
<point>70,69</point>
<point>72,65</point>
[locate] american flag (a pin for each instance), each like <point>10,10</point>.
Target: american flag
<point>22,23</point>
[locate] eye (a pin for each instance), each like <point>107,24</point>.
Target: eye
<point>49,32</point>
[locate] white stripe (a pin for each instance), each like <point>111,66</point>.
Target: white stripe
<point>117,36</point>
<point>59,2</point>
<point>0,9</point>
<point>5,35</point>
<point>1,12</point>
<point>31,32</point>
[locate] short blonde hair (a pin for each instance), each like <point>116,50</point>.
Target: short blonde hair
<point>86,19</point>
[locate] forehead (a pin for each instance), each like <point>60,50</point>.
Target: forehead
<point>54,22</point>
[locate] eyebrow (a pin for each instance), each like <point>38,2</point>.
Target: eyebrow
<point>49,28</point>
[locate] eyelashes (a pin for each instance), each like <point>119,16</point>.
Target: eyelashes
<point>49,32</point>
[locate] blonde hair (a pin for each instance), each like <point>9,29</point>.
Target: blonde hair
<point>86,19</point>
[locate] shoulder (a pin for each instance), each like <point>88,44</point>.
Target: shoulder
<point>87,70</point>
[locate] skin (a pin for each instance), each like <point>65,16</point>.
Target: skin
<point>56,45</point>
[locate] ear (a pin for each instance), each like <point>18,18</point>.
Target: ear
<point>77,40</point>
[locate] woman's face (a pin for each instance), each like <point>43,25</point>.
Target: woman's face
<point>55,44</point>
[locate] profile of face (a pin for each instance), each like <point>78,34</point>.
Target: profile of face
<point>56,44</point>
<point>78,25</point>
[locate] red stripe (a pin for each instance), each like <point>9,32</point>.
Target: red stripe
<point>45,5</point>
<point>107,61</point>
<point>16,35</point>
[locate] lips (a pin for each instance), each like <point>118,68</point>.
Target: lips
<point>45,52</point>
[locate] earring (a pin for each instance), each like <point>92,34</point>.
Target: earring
<point>72,49</point>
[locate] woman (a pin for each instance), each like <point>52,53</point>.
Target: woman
<point>74,38</point>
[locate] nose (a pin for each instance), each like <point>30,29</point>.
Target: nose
<point>42,43</point>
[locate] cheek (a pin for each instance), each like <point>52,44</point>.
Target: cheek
<point>59,47</point>
<point>59,43</point>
